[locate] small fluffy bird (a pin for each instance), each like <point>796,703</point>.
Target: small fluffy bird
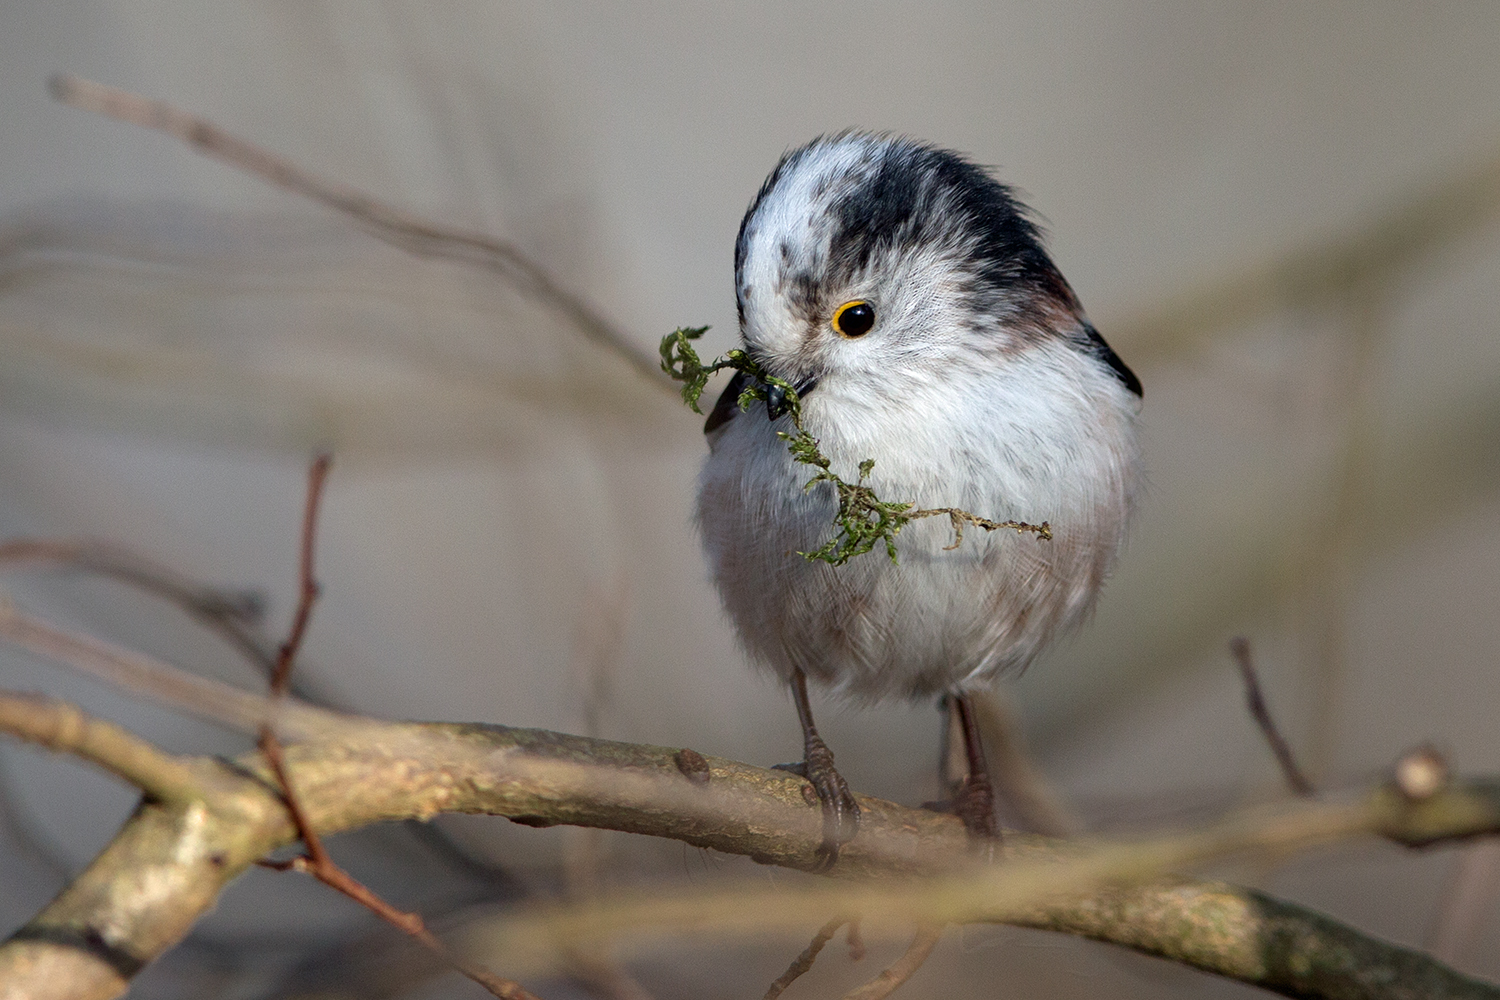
<point>907,296</point>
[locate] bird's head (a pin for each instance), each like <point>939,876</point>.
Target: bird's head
<point>870,261</point>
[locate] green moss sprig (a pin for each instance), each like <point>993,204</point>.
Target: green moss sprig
<point>863,519</point>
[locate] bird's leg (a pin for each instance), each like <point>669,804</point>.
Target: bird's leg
<point>840,811</point>
<point>975,801</point>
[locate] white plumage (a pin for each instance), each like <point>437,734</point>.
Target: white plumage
<point>980,385</point>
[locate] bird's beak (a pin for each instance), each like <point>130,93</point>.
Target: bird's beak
<point>776,401</point>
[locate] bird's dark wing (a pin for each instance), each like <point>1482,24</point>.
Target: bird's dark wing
<point>728,404</point>
<point>1105,353</point>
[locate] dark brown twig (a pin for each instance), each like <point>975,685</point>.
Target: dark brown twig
<point>890,979</point>
<point>1295,779</point>
<point>805,961</point>
<point>316,861</point>
<point>403,230</point>
<point>317,477</point>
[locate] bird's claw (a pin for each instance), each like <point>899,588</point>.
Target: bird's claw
<point>974,803</point>
<point>840,811</point>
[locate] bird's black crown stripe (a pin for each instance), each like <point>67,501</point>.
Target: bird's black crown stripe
<point>920,196</point>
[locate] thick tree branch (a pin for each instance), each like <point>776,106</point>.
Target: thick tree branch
<point>1246,935</point>
<point>170,861</point>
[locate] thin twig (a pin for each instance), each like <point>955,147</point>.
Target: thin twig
<point>903,968</point>
<point>403,230</point>
<point>232,614</point>
<point>307,583</point>
<point>331,875</point>
<point>1295,779</point>
<point>1396,238</point>
<point>153,680</point>
<point>605,976</point>
<point>316,861</point>
<point>804,961</point>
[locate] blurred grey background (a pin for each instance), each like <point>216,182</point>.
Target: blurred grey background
<point>1284,216</point>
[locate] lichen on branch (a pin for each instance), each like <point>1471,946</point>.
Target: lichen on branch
<point>863,519</point>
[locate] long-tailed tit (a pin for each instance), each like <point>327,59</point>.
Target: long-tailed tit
<point>907,296</point>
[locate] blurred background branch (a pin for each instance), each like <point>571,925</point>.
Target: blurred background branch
<point>205,821</point>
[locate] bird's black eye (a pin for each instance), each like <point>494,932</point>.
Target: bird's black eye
<point>854,319</point>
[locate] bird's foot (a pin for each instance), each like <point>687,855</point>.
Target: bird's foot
<point>974,803</point>
<point>840,811</point>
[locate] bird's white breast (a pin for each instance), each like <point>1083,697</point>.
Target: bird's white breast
<point>1048,436</point>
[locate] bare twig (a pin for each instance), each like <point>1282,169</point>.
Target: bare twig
<point>596,648</point>
<point>404,230</point>
<point>317,861</point>
<point>1295,779</point>
<point>803,962</point>
<point>331,875</point>
<point>307,583</point>
<point>358,771</point>
<point>902,969</point>
<point>1388,245</point>
<point>606,977</point>
<point>232,614</point>
<point>596,651</point>
<point>156,681</point>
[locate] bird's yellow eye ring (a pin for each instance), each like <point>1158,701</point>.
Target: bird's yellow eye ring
<point>853,319</point>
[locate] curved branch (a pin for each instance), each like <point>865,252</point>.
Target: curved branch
<point>62,728</point>
<point>171,860</point>
<point>232,614</point>
<point>401,229</point>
